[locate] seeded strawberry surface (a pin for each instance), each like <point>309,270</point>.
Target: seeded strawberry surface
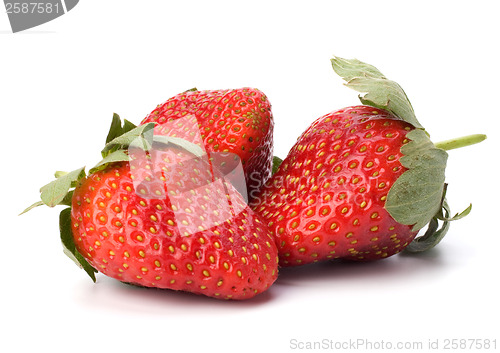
<point>139,224</point>
<point>237,121</point>
<point>327,199</point>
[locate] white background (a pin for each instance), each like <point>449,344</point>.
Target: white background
<point>61,82</point>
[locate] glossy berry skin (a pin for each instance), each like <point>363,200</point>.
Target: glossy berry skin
<point>237,121</point>
<point>172,230</point>
<point>326,201</point>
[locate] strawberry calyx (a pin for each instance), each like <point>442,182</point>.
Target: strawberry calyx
<point>434,233</point>
<point>121,136</point>
<point>417,198</point>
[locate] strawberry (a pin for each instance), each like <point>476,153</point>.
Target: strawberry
<point>156,213</point>
<point>327,198</point>
<point>360,182</point>
<point>236,121</point>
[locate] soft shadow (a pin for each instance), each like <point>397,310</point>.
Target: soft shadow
<point>113,295</point>
<point>403,265</point>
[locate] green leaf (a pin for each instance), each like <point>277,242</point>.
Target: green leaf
<point>59,174</point>
<point>188,146</point>
<point>115,129</point>
<point>457,216</point>
<point>123,141</point>
<point>127,126</point>
<point>417,195</point>
<point>433,235</point>
<point>116,156</point>
<point>68,243</point>
<point>276,164</point>
<point>67,199</point>
<point>380,92</point>
<point>55,192</point>
<point>349,69</point>
<point>36,204</point>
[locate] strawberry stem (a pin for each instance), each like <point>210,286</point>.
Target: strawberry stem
<point>460,142</point>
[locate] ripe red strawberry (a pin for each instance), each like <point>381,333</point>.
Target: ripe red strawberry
<point>235,121</point>
<point>360,182</point>
<point>165,218</point>
<point>327,198</point>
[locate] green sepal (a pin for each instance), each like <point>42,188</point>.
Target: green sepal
<point>180,142</point>
<point>416,196</point>
<point>380,92</point>
<point>194,89</point>
<point>65,201</point>
<point>59,174</point>
<point>122,142</point>
<point>56,191</point>
<point>116,156</point>
<point>36,204</point>
<point>276,164</point>
<point>434,234</point>
<point>68,243</point>
<point>117,129</point>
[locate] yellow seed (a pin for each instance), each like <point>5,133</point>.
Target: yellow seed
<point>173,267</point>
<point>142,253</point>
<point>157,263</point>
